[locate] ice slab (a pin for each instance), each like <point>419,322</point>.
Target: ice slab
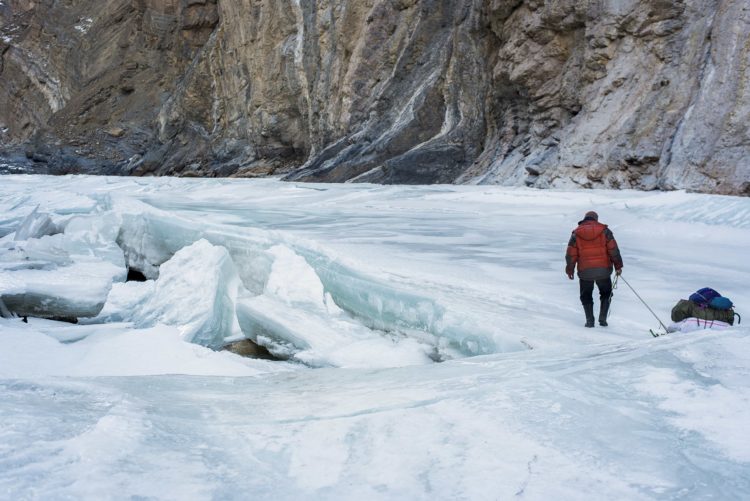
<point>4,311</point>
<point>66,275</point>
<point>149,237</point>
<point>296,318</point>
<point>37,224</point>
<point>78,290</point>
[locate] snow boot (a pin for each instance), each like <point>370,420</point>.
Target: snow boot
<point>589,310</point>
<point>603,312</point>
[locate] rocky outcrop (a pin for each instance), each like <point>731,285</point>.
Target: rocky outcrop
<point>621,93</point>
<point>612,93</point>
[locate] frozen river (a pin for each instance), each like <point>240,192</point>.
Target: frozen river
<point>433,347</point>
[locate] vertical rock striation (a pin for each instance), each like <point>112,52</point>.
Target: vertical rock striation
<point>622,94</point>
<point>616,93</point>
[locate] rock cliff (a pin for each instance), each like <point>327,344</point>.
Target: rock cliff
<point>614,93</point>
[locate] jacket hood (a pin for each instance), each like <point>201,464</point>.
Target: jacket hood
<point>590,229</point>
<point>588,218</point>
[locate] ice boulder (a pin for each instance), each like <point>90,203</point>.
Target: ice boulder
<point>94,236</point>
<point>148,240</point>
<point>196,291</point>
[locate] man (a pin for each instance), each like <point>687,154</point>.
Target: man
<point>593,248</point>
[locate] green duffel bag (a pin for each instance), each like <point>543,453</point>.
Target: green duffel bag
<point>688,309</point>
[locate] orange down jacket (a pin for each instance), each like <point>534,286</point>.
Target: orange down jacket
<point>593,248</point>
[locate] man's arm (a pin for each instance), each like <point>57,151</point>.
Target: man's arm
<point>613,250</point>
<point>571,256</point>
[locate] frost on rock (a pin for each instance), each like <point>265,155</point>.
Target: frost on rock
<point>84,25</point>
<point>295,318</point>
<point>196,291</point>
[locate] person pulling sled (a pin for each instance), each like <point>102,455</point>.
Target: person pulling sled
<point>593,249</point>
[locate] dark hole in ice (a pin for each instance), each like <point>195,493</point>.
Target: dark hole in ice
<point>135,276</point>
<point>250,349</point>
<point>70,320</point>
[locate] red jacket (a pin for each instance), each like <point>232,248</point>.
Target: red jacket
<point>593,248</point>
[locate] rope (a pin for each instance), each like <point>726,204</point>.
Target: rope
<point>611,295</point>
<point>644,303</point>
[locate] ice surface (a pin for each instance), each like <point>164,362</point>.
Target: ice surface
<point>25,195</point>
<point>376,281</point>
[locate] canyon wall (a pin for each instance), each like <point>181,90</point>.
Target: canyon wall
<point>641,94</point>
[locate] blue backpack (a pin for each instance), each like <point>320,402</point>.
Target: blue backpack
<point>702,297</point>
<point>721,303</point>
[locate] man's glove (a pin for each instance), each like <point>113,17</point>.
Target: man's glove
<point>618,272</point>
<point>570,274</point>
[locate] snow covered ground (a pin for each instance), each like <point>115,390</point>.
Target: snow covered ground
<point>362,289</point>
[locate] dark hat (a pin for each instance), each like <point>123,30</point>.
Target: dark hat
<point>591,215</point>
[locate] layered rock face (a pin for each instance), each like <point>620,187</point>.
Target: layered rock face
<point>612,93</point>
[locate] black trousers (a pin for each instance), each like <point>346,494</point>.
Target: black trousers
<point>587,290</point>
